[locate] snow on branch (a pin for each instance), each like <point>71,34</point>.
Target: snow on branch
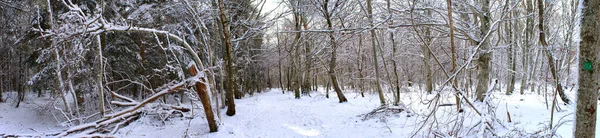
<point>128,115</point>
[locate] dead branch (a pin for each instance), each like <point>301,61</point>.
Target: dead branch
<point>123,117</point>
<point>134,103</point>
<point>383,110</point>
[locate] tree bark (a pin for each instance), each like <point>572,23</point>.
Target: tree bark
<point>510,82</point>
<point>2,77</point>
<point>587,94</point>
<point>19,84</point>
<point>394,62</point>
<point>279,64</point>
<point>453,51</point>
<point>332,63</point>
<point>308,59</point>
<point>427,58</point>
<point>201,89</point>
<point>295,55</point>
<point>483,62</point>
<point>230,88</point>
<point>374,45</point>
<point>548,53</point>
<point>526,59</point>
<point>1,82</point>
<point>361,84</point>
<point>99,85</point>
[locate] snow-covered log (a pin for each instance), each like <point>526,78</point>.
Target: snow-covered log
<point>119,119</point>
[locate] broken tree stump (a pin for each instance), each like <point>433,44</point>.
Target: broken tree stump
<point>202,91</point>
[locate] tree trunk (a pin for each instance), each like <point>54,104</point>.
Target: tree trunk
<point>427,58</point>
<point>289,78</point>
<point>202,91</point>
<point>483,62</point>
<point>230,88</point>
<point>361,84</point>
<point>510,82</point>
<point>526,59</point>
<point>327,89</point>
<point>2,79</point>
<point>308,60</point>
<point>589,71</point>
<point>374,45</point>
<point>1,82</point>
<point>295,57</point>
<point>19,85</point>
<point>279,65</point>
<point>332,63</point>
<point>394,63</point>
<point>453,51</point>
<point>548,53</point>
<point>99,85</point>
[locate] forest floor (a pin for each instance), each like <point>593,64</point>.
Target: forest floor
<point>273,114</point>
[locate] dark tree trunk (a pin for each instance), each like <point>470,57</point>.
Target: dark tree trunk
<point>20,92</point>
<point>332,63</point>
<point>2,80</point>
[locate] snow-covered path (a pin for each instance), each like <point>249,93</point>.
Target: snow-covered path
<point>30,118</point>
<point>273,115</point>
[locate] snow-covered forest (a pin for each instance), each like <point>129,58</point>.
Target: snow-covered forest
<point>299,68</point>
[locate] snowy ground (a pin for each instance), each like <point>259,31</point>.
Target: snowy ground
<point>29,118</point>
<point>273,114</point>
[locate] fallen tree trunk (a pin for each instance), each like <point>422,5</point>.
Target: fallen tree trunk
<point>127,115</point>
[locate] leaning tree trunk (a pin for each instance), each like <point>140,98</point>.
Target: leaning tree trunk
<point>332,63</point>
<point>548,53</point>
<point>483,63</point>
<point>230,86</point>
<point>453,51</point>
<point>202,91</point>
<point>589,72</point>
<point>374,45</point>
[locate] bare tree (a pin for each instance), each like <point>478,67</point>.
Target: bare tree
<point>374,45</point>
<point>332,62</point>
<point>551,65</point>
<point>452,49</point>
<point>230,86</point>
<point>485,55</point>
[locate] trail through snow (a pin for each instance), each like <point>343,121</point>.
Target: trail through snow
<point>273,114</point>
<point>30,118</point>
